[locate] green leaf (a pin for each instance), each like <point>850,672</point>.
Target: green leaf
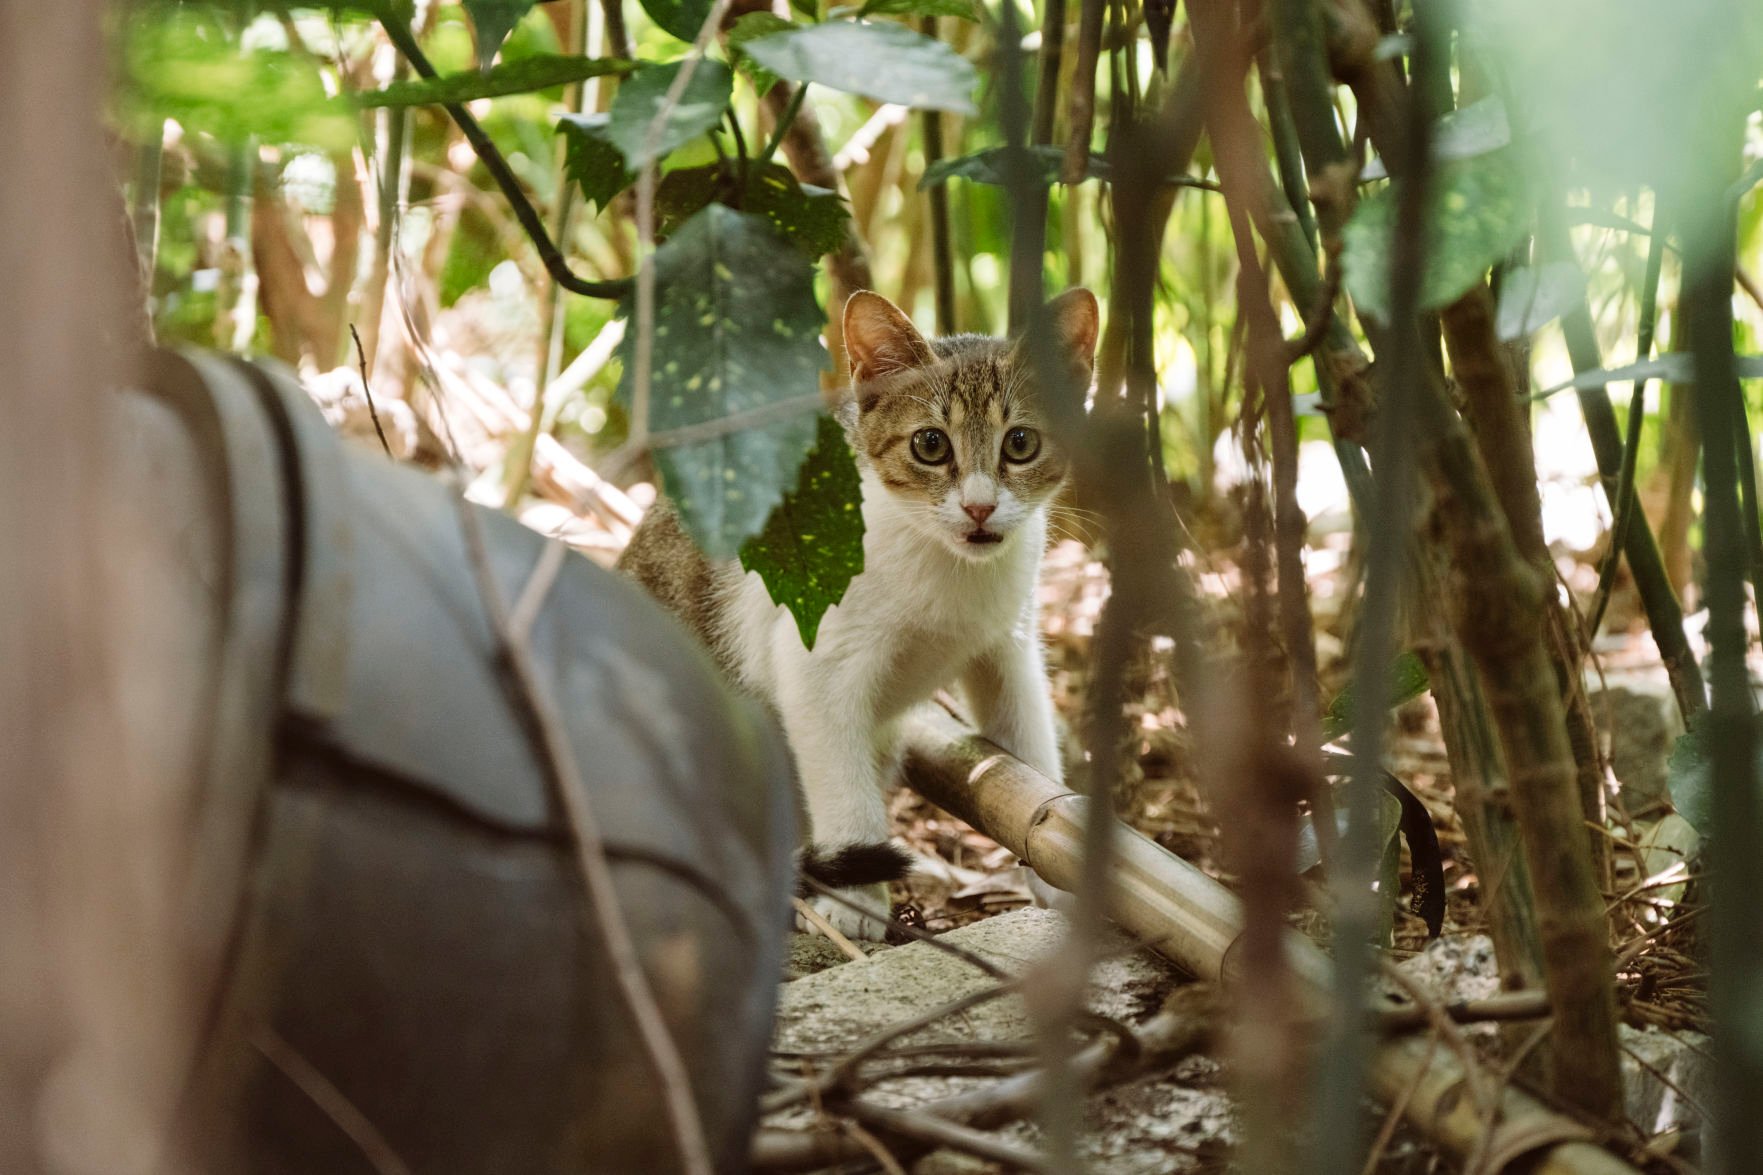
<point>186,65</point>
<point>813,218</point>
<point>1689,774</point>
<point>987,167</point>
<point>682,18</point>
<point>1533,297</point>
<point>1408,680</point>
<point>737,331</point>
<point>539,72</point>
<point>494,20</point>
<point>750,28</point>
<point>887,62</point>
<point>1476,211</point>
<point>807,8</point>
<point>1476,129</point>
<point>957,8</point>
<point>1674,366</point>
<point>639,103</point>
<point>812,545</point>
<point>592,159</point>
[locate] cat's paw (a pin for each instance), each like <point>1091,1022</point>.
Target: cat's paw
<point>854,924</point>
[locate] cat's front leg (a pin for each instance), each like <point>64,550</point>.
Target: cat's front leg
<point>1011,700</point>
<point>1012,703</point>
<point>831,733</point>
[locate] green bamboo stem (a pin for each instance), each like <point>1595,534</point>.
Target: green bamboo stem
<point>1729,727</point>
<point>1664,612</point>
<point>1637,406</point>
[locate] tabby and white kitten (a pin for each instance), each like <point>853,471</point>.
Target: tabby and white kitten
<point>958,468</point>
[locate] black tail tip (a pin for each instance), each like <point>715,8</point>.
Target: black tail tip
<point>848,865</point>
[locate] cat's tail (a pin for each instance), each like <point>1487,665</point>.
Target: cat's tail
<point>851,865</point>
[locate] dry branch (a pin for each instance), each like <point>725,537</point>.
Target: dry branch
<point>1195,922</point>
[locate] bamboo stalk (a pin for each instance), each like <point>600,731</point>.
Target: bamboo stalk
<point>1195,922</point>
<point>1664,612</point>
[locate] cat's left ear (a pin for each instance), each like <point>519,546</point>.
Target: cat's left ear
<point>1073,322</point>
<point>1076,321</point>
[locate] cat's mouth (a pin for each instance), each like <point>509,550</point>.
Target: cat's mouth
<point>982,535</point>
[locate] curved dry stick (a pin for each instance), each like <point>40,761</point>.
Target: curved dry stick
<point>497,166</point>
<point>557,757</point>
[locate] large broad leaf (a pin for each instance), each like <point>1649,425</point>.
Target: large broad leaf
<point>540,72</point>
<point>592,159</point>
<point>750,28</point>
<point>494,20</point>
<point>887,62</point>
<point>1533,297</point>
<point>682,18</point>
<point>1408,680</point>
<point>1689,775</point>
<point>736,332</point>
<point>639,103</point>
<point>957,8</point>
<point>1476,129</point>
<point>1477,210</point>
<point>812,545</point>
<point>813,218</point>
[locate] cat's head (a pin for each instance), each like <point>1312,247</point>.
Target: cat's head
<point>959,430</point>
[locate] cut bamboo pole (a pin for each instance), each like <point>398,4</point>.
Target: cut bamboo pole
<point>1195,922</point>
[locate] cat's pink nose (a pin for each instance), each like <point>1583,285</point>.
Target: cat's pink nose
<point>979,513</point>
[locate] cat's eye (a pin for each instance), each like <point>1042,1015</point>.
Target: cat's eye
<point>931,446</point>
<point>1021,444</point>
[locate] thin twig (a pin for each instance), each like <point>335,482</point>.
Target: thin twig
<point>330,1101</point>
<point>1393,1116</point>
<point>1485,1104</point>
<point>1530,1004</point>
<point>884,1158</point>
<point>944,1133</point>
<point>557,756</point>
<point>372,412</point>
<point>819,921</point>
<point>842,1073</point>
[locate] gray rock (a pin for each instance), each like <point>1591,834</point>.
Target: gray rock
<point>1668,1077</point>
<point>1152,1125</point>
<point>1639,718</point>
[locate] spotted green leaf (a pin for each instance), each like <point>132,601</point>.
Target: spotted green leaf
<point>750,28</point>
<point>539,72</point>
<point>494,20</point>
<point>1477,210</point>
<point>639,103</point>
<point>812,545</point>
<point>592,159</point>
<point>736,333</point>
<point>813,218</point>
<point>885,61</point>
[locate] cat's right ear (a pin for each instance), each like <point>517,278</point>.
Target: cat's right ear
<point>880,338</point>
